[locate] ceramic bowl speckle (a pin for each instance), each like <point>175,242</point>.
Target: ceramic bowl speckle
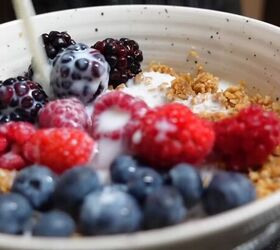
<point>232,47</point>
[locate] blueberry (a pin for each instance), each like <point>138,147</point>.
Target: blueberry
<point>109,211</point>
<point>119,187</point>
<point>15,210</point>
<point>123,168</point>
<point>164,207</point>
<point>37,184</point>
<point>187,180</point>
<point>227,190</point>
<point>66,58</point>
<point>54,224</point>
<point>144,182</point>
<point>73,185</point>
<point>82,64</point>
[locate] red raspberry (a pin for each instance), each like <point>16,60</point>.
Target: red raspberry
<point>59,148</point>
<point>12,161</point>
<point>114,113</point>
<point>12,136</point>
<point>246,140</point>
<point>3,144</point>
<point>69,113</point>
<point>172,134</point>
<point>17,132</point>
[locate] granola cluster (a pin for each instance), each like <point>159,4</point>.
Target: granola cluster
<point>234,98</point>
<point>204,82</point>
<point>6,180</point>
<point>267,179</point>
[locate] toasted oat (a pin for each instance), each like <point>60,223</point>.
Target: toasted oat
<point>214,116</point>
<point>6,180</point>
<point>121,86</point>
<point>267,179</point>
<point>163,86</point>
<point>141,79</point>
<point>193,53</point>
<point>235,97</point>
<point>161,68</point>
<point>204,82</point>
<point>266,102</point>
<point>180,88</point>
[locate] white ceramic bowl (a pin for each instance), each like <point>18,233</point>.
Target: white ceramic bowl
<point>232,47</point>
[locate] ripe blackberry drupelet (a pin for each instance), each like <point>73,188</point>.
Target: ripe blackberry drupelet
<point>123,56</point>
<point>55,42</point>
<point>21,99</point>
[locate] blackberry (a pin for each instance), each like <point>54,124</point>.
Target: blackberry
<point>123,56</point>
<point>55,42</point>
<point>81,72</point>
<point>20,99</point>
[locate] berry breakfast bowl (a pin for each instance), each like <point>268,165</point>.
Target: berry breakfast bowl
<point>223,67</point>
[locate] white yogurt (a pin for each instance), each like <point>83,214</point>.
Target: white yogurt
<point>203,103</point>
<point>107,151</point>
<point>150,92</point>
<point>163,128</point>
<point>153,96</point>
<point>113,119</point>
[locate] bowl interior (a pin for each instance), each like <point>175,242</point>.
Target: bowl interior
<point>232,47</point>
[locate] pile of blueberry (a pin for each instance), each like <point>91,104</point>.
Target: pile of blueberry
<point>138,198</point>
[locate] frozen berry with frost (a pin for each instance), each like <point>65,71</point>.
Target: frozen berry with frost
<point>69,112</point>
<point>123,56</point>
<point>171,134</point>
<point>59,148</point>
<point>115,114</point>
<point>246,140</point>
<point>20,99</point>
<point>79,71</point>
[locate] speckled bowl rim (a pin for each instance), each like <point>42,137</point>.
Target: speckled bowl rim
<point>155,238</point>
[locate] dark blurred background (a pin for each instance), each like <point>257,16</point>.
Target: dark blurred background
<point>267,10</point>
